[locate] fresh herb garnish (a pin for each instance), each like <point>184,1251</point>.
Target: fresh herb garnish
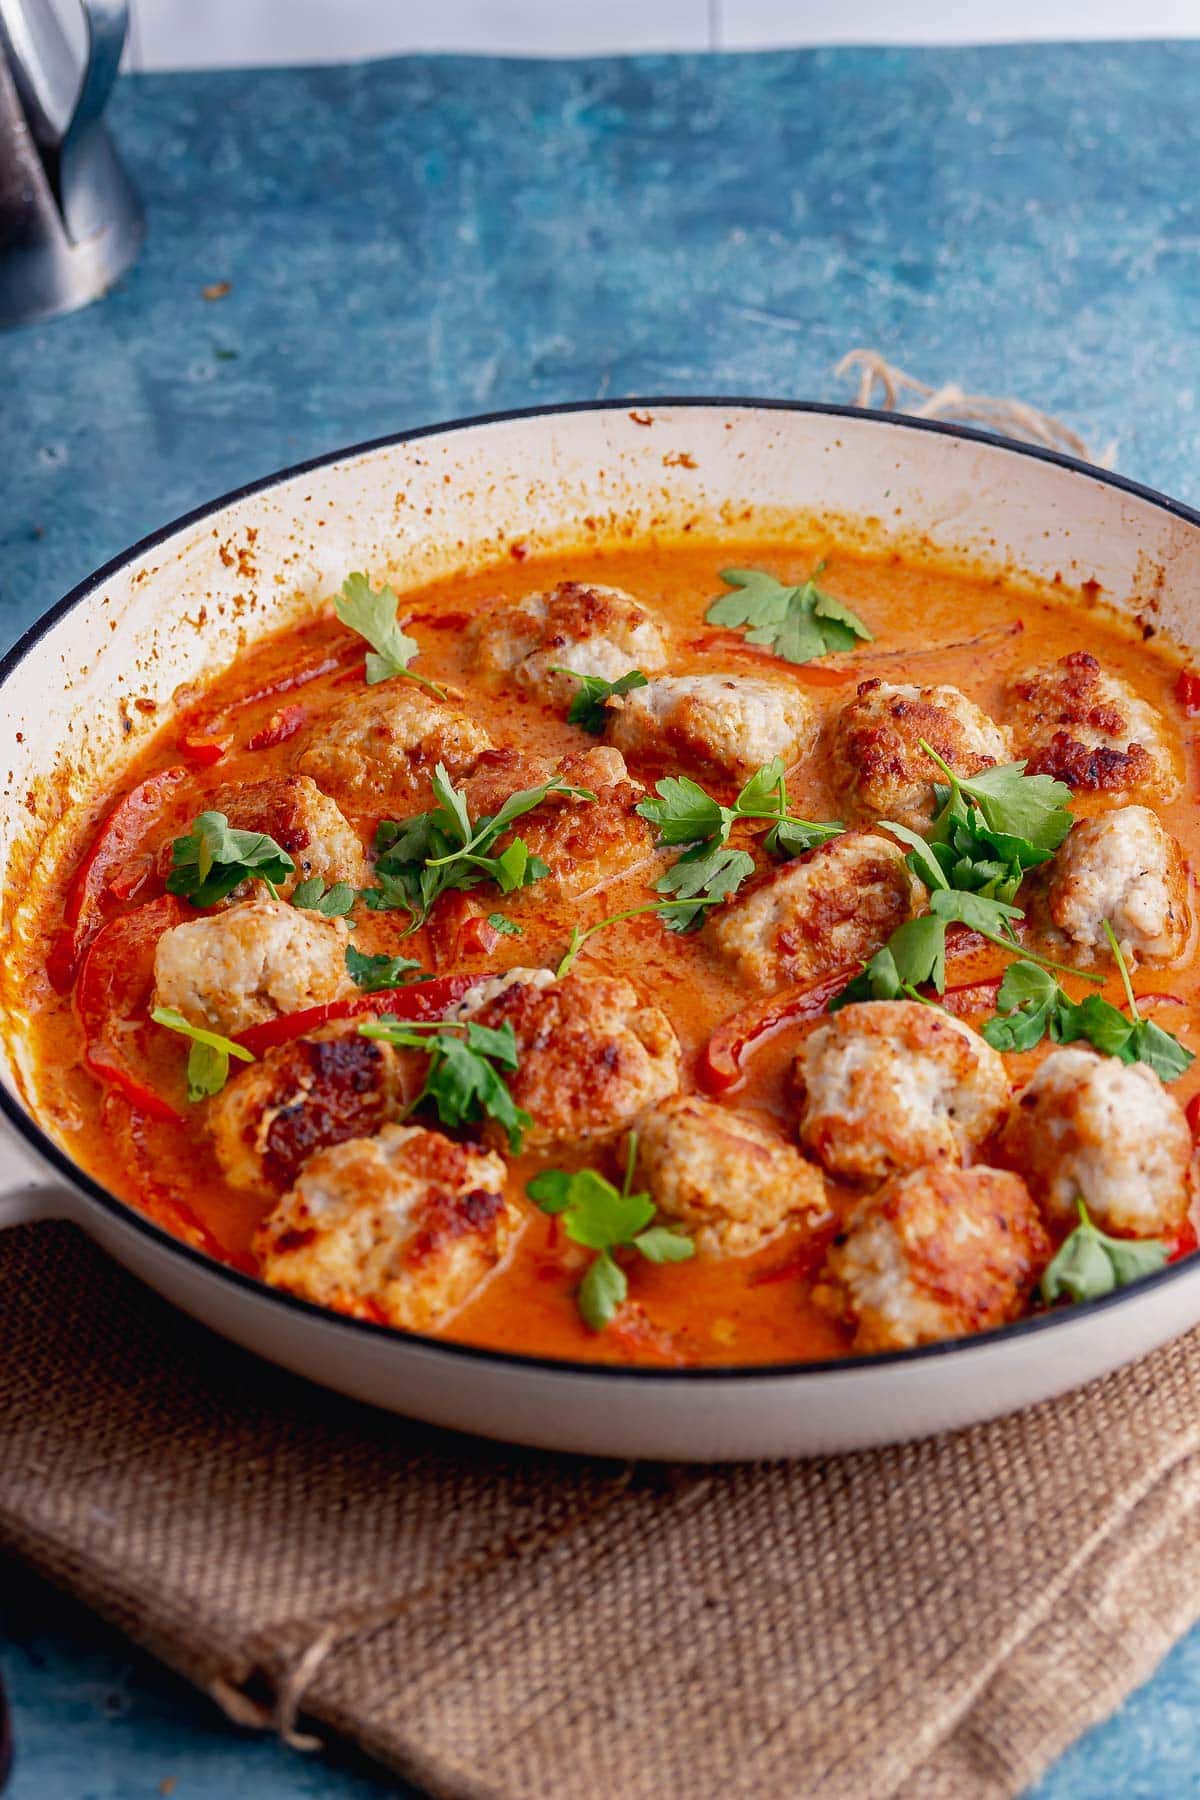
<point>682,813</point>
<point>1090,1263</point>
<point>332,902</point>
<point>373,616</point>
<point>212,859</point>
<point>588,706</point>
<point>1021,818</point>
<point>1034,1006</point>
<point>424,857</point>
<point>374,973</point>
<point>464,1080</point>
<point>797,623</point>
<point>666,910</point>
<point>505,926</point>
<point>208,1056</point>
<point>604,1218</point>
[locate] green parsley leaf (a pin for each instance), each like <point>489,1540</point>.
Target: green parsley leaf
<point>1090,1263</point>
<point>705,876</point>
<point>332,903</point>
<point>683,812</point>
<point>588,708</point>
<point>605,1218</point>
<point>913,957</point>
<point>208,1054</point>
<point>797,623</point>
<point>1030,811</point>
<point>375,973</point>
<point>212,859</point>
<point>464,1082</point>
<point>373,616</point>
<point>506,927</point>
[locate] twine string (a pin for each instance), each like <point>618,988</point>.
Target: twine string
<point>882,384</point>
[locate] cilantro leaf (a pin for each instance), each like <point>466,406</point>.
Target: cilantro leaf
<point>374,973</point>
<point>605,1218</point>
<point>1090,1263</point>
<point>212,859</point>
<point>332,903</point>
<point>588,708</point>
<point>208,1053</point>
<point>373,616</point>
<point>797,623</point>
<point>463,1082</point>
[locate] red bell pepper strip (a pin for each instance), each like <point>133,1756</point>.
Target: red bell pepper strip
<point>1187,692</point>
<point>720,1065</point>
<point>459,928</point>
<point>419,1000</point>
<point>1192,1114</point>
<point>118,843</point>
<point>202,751</point>
<point>115,984</point>
<point>1185,1242</point>
<point>972,997</point>
<point>281,726</point>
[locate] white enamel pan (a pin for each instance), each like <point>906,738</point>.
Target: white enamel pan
<point>178,607</point>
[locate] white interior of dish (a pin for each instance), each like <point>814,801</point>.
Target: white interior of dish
<point>417,510</point>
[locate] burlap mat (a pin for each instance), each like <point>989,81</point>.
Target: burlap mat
<point>936,1620</point>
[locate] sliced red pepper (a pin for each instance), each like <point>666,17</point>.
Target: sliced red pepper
<point>1185,1242</point>
<point>720,1065</point>
<point>281,726</point>
<point>115,984</point>
<point>458,928</point>
<point>973,997</point>
<point>420,1000</point>
<point>1192,1114</point>
<point>201,751</point>
<point>1187,692</point>
<point>117,854</point>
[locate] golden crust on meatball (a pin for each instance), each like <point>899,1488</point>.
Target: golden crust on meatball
<point>831,908</point>
<point>1123,867</point>
<point>401,1227</point>
<point>726,1177</point>
<point>586,843</point>
<point>1090,729</point>
<point>728,723</point>
<point>305,822</point>
<point>939,1252</point>
<point>376,750</point>
<point>592,1054</point>
<point>888,1085</point>
<point>229,970</point>
<point>587,629</point>
<point>878,763</point>
<point>1090,1127</point>
<point>298,1098</point>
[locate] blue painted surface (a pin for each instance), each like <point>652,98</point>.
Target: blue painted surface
<point>426,238</point>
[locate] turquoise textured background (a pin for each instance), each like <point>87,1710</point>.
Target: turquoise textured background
<point>422,239</point>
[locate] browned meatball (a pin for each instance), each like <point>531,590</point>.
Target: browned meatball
<point>878,762</point>
<point>937,1253</point>
<point>830,909</point>
<point>304,821</point>
<point>586,843</point>
<point>299,1098</point>
<point>377,749</point>
<point>229,970</point>
<point>592,1053</point>
<point>401,1228</point>
<point>588,629</point>
<point>731,724</point>
<point>1091,730</point>
<point>1123,867</point>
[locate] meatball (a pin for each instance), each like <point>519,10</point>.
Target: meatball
<point>592,1054</point>
<point>1091,730</point>
<point>879,764</point>
<point>589,630</point>
<point>937,1253</point>
<point>307,823</point>
<point>724,1176</point>
<point>586,843</point>
<point>233,969</point>
<point>730,723</point>
<point>299,1098</point>
<point>1090,1127</point>
<point>400,1228</point>
<point>1122,866</point>
<point>890,1084</point>
<point>376,750</point>
<point>833,907</point>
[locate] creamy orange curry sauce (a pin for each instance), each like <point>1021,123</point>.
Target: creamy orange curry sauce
<point>115,1080</point>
